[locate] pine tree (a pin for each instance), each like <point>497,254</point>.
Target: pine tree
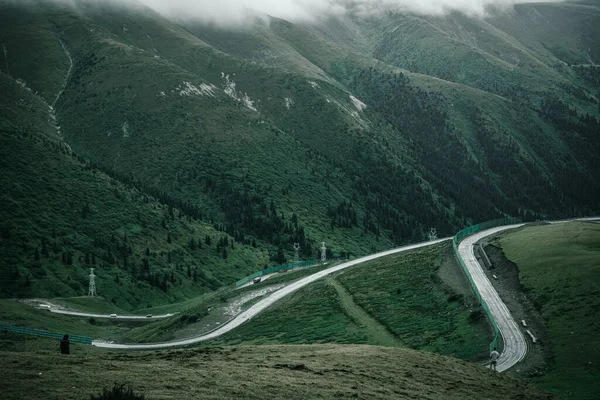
<point>169,238</point>
<point>189,272</point>
<point>36,254</point>
<point>44,248</point>
<point>225,253</point>
<point>280,259</point>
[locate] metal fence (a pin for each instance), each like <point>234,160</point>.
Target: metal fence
<point>469,231</point>
<point>273,270</point>
<point>37,332</point>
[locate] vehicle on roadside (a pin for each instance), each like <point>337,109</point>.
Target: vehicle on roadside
<point>257,280</point>
<point>113,315</point>
<point>148,315</point>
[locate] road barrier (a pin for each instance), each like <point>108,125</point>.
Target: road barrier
<point>37,332</point>
<point>460,236</point>
<point>273,270</point>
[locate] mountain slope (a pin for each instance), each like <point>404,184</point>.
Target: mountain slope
<point>63,215</point>
<point>361,134</point>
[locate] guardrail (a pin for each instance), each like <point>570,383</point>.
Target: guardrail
<point>273,270</point>
<point>37,332</point>
<point>469,231</point>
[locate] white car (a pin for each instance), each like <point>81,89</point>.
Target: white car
<point>113,315</point>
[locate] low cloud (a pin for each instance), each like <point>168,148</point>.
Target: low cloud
<point>302,10</point>
<point>240,11</point>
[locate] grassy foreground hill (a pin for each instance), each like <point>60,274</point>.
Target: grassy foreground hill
<point>558,268</point>
<point>249,372</point>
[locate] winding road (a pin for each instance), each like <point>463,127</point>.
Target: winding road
<point>515,346</point>
<point>264,303</point>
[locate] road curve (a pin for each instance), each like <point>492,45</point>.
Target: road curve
<point>263,304</point>
<point>515,346</point>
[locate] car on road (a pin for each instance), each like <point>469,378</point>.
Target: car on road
<point>257,280</point>
<point>148,315</point>
<point>113,315</point>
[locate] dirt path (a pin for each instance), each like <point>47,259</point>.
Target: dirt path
<point>378,333</point>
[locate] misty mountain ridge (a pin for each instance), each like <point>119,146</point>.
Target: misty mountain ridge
<point>364,133</point>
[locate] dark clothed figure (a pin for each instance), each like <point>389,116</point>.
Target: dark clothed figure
<point>64,345</point>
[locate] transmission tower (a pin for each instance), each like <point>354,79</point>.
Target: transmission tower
<point>296,252</point>
<point>432,234</point>
<point>323,253</point>
<point>92,290</point>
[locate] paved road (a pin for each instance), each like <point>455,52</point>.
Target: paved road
<point>108,316</point>
<point>264,303</point>
<point>515,346</point>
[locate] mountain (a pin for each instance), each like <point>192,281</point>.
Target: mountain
<point>363,133</point>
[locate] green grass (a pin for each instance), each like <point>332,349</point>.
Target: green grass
<point>311,315</point>
<point>405,294</point>
<point>559,267</point>
<point>37,370</point>
<point>18,314</point>
<point>397,301</point>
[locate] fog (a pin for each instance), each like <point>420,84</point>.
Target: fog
<point>241,11</point>
<point>237,11</point>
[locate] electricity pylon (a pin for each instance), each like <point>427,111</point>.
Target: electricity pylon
<point>432,234</point>
<point>92,289</point>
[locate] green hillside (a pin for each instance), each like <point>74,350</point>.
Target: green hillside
<point>62,216</point>
<point>358,133</point>
<point>558,269</point>
<point>398,301</point>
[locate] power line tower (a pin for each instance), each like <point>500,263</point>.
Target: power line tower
<point>432,234</point>
<point>92,289</point>
<point>323,253</point>
<point>296,252</point>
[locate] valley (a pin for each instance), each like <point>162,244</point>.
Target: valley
<point>175,157</point>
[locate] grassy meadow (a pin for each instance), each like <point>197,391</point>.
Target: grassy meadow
<point>559,269</point>
<point>35,369</point>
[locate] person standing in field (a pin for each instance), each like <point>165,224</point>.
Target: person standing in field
<point>494,359</point>
<point>64,345</point>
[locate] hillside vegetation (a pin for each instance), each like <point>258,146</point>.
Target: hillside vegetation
<point>558,269</point>
<point>398,301</point>
<point>280,133</point>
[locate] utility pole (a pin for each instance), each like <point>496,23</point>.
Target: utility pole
<point>92,290</point>
<point>296,252</point>
<point>432,234</point>
<point>323,253</point>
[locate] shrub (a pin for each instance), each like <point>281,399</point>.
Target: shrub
<point>118,392</point>
<point>475,315</point>
<point>455,298</point>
